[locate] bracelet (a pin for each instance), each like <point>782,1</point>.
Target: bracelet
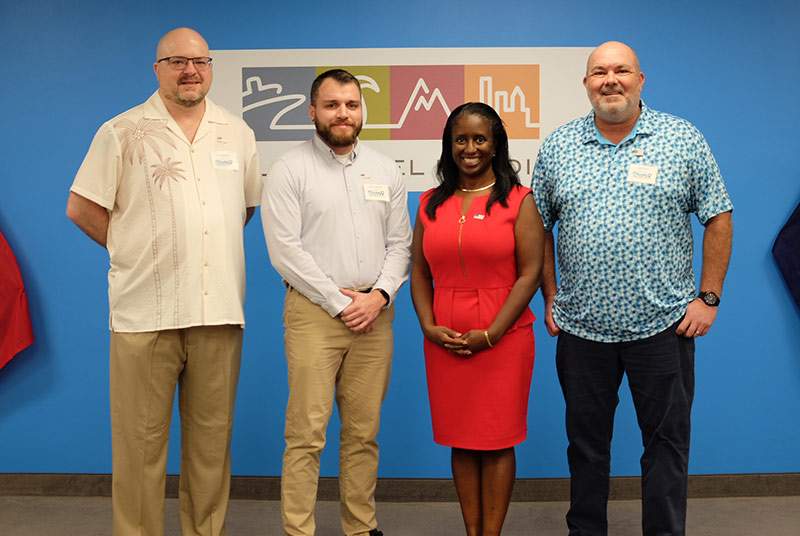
<point>488,340</point>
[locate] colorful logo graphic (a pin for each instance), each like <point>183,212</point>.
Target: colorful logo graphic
<point>400,102</point>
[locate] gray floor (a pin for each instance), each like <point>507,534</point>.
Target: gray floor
<point>91,516</point>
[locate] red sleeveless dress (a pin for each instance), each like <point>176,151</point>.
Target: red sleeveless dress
<point>478,402</point>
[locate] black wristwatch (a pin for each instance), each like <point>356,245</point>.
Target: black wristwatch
<point>385,295</point>
<point>709,297</point>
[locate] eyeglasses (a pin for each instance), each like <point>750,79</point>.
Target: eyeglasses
<point>179,63</point>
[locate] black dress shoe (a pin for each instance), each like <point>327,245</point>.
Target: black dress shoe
<point>375,532</point>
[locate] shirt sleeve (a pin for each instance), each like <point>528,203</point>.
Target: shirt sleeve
<point>398,241</point>
<point>542,186</point>
<point>98,177</point>
<point>709,195</point>
<point>281,217</point>
<point>252,172</point>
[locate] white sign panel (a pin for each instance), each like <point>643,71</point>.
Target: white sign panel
<point>407,95</point>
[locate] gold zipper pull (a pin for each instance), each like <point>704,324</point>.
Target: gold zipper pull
<point>461,222</point>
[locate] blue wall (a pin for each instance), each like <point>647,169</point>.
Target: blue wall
<point>730,67</point>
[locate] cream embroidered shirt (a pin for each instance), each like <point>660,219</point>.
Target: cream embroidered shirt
<point>331,224</point>
<point>177,210</point>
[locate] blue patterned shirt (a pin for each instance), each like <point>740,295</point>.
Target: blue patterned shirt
<point>624,233</point>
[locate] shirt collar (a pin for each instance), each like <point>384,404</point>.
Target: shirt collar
<point>644,126</point>
<point>155,109</point>
<point>323,148</point>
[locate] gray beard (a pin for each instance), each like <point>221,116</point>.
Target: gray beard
<point>189,103</point>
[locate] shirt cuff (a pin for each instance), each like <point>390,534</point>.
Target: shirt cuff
<point>335,304</point>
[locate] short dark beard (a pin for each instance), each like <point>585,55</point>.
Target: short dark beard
<point>333,140</point>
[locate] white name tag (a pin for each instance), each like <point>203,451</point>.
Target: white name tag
<point>376,192</point>
<point>642,173</point>
<point>225,160</point>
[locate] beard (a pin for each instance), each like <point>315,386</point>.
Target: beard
<point>618,111</point>
<point>192,99</point>
<point>189,103</point>
<point>337,140</point>
<point>612,113</point>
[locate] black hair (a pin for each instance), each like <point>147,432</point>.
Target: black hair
<point>340,75</point>
<point>447,171</point>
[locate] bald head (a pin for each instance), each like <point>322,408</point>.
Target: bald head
<point>613,49</point>
<point>614,83</point>
<point>183,84</point>
<point>180,38</point>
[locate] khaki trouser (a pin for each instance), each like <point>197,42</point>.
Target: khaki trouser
<point>324,357</point>
<point>145,367</point>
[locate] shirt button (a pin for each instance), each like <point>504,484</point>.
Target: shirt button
<point>205,232</point>
<point>205,293</point>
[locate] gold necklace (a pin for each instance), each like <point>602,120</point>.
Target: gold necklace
<point>472,190</point>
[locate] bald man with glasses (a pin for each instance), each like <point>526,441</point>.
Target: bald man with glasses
<point>167,188</point>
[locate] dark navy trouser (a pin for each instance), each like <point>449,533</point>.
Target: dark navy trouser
<point>660,372</point>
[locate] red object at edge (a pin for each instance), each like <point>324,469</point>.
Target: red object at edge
<point>16,333</point>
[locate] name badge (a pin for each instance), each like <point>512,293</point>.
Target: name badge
<point>642,173</point>
<point>225,160</point>
<point>376,192</point>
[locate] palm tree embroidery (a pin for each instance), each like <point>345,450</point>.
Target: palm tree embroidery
<point>145,132</point>
<point>167,170</point>
<point>134,139</point>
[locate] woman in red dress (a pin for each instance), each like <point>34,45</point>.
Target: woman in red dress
<point>477,257</point>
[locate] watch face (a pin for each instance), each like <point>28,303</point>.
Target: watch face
<point>709,298</point>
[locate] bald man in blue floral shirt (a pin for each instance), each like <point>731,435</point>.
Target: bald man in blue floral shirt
<point>622,183</point>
